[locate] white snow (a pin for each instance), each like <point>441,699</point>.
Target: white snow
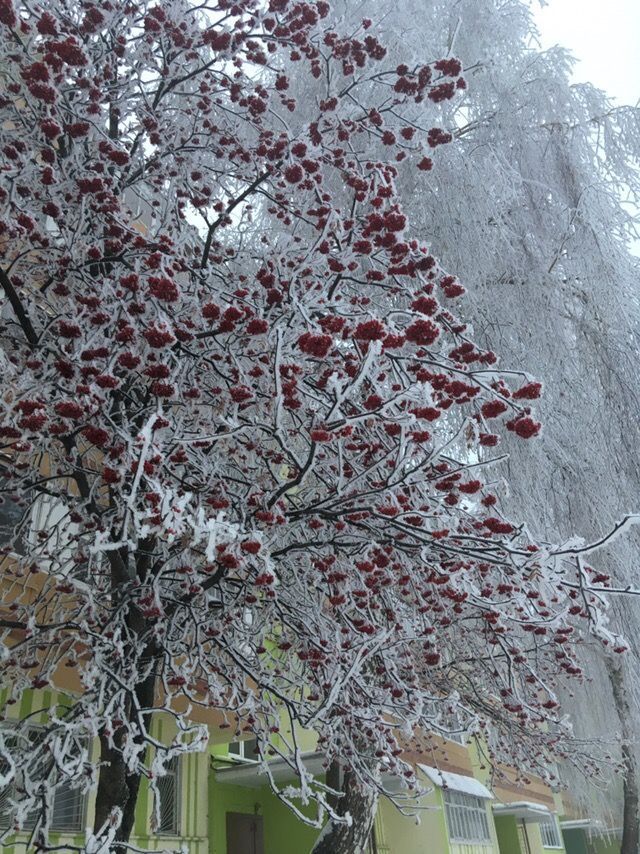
<point>456,782</point>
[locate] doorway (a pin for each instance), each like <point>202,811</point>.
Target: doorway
<point>245,833</point>
<point>523,838</point>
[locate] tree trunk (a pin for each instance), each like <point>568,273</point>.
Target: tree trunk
<point>112,783</point>
<point>360,803</point>
<point>631,785</point>
<point>118,789</point>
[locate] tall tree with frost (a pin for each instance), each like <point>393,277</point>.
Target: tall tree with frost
<point>243,411</point>
<point>530,207</point>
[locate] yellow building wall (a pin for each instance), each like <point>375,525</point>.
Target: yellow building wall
<point>403,835</point>
<point>193,777</point>
<point>535,841</point>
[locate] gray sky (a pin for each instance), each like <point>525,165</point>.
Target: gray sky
<point>604,35</point>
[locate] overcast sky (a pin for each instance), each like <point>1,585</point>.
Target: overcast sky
<point>604,35</point>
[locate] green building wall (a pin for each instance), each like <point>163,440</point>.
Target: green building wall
<point>535,841</point>
<point>580,841</point>
<point>575,841</point>
<point>395,833</point>
<point>507,832</point>
<point>283,832</point>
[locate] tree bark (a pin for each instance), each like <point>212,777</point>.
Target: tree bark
<point>360,803</point>
<point>113,790</point>
<point>116,787</point>
<point>630,843</point>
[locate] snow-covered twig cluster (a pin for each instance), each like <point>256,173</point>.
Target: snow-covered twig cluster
<point>244,395</point>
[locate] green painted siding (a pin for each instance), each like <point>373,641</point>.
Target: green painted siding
<point>535,840</point>
<point>193,775</point>
<point>575,841</point>
<point>33,704</point>
<point>283,832</point>
<point>507,831</point>
<point>488,848</point>
<point>403,835</point>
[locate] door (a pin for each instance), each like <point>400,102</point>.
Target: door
<point>523,838</point>
<point>244,833</point>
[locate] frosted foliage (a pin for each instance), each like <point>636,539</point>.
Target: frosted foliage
<point>245,418</point>
<point>530,206</point>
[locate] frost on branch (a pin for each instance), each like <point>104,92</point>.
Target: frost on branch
<point>243,415</point>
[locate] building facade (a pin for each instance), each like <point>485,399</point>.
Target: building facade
<point>219,802</point>
<point>461,814</point>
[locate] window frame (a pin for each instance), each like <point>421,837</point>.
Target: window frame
<point>466,818</point>
<point>241,755</point>
<point>551,825</point>
<point>174,773</point>
<point>20,545</point>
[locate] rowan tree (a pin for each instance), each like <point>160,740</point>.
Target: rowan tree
<point>246,429</point>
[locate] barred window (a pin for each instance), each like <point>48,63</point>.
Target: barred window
<point>69,802</point>
<point>550,833</point>
<point>68,809</point>
<point>6,792</point>
<point>169,792</point>
<point>466,817</point>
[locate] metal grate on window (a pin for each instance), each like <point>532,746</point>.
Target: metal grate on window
<point>169,791</point>
<point>68,801</point>
<point>466,817</point>
<point>550,833</point>
<point>6,792</point>
<point>68,809</point>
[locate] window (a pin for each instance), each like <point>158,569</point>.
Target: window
<point>466,817</point>
<point>53,534</point>
<point>459,737</point>
<point>12,532</point>
<point>68,801</point>
<point>550,833</point>
<point>68,809</point>
<point>24,519</point>
<point>169,792</point>
<point>6,792</point>
<point>247,750</point>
